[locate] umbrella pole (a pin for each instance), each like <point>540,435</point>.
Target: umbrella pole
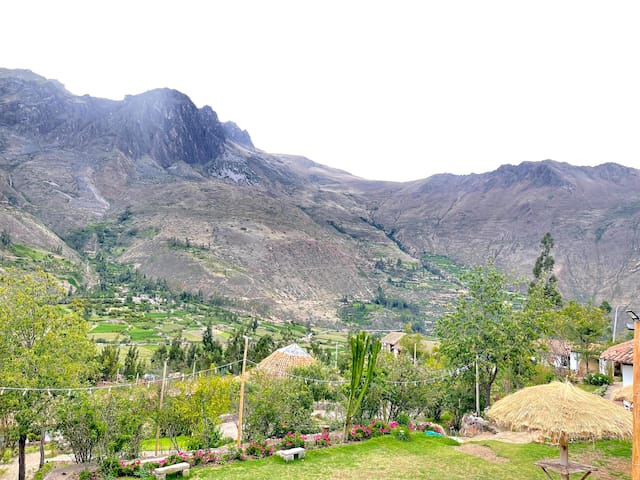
<point>564,454</point>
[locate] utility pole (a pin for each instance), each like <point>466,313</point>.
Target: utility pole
<point>242,378</point>
<point>414,354</point>
<point>164,379</point>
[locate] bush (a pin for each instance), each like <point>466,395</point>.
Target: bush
<point>378,427</point>
<point>403,419</point>
<point>322,440</point>
<point>401,433</point>
<point>598,379</point>
<point>360,432</point>
<point>292,440</point>
<point>259,449</point>
<point>84,475</point>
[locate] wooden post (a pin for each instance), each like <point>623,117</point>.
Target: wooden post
<point>564,454</point>
<point>477,388</point>
<point>164,379</point>
<point>240,410</point>
<point>635,452</point>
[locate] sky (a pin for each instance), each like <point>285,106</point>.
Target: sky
<point>387,90</point>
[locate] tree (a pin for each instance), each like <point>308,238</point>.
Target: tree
<point>543,270</point>
<point>133,366</point>
<point>583,326</point>
<point>197,409</point>
<point>42,346</point>
<point>484,330</point>
<point>364,350</point>
<point>108,362</point>
<point>275,406</point>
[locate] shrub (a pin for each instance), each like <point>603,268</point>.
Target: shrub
<point>292,440</point>
<point>322,440</point>
<point>360,432</point>
<point>403,419</point>
<point>84,475</point>
<point>378,427</point>
<point>598,379</point>
<point>401,433</point>
<point>259,449</point>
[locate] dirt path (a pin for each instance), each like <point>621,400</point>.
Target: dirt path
<point>10,470</point>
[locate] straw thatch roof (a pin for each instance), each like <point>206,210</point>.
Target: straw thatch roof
<point>624,393</point>
<point>557,408</point>
<point>392,338</point>
<point>621,353</point>
<point>285,359</point>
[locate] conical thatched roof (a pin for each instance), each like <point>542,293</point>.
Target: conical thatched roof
<point>557,408</point>
<point>285,359</point>
<point>624,393</point>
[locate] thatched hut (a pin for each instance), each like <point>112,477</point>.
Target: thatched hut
<point>562,412</point>
<point>285,359</point>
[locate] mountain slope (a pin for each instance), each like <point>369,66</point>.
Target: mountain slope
<point>155,182</point>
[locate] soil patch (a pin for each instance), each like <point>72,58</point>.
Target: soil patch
<point>481,451</point>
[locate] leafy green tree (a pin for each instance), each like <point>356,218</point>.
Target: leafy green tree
<point>321,378</point>
<point>80,423</point>
<point>543,270</point>
<point>276,405</point>
<point>200,405</point>
<point>364,351</point>
<point>42,346</point>
<point>407,388</point>
<point>176,354</point>
<point>133,365</point>
<point>483,329</point>
<point>108,362</point>
<point>265,346</point>
<point>584,326</point>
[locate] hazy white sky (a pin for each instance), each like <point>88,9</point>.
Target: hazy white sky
<point>394,90</point>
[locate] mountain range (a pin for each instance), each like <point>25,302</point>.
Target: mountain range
<point>193,201</point>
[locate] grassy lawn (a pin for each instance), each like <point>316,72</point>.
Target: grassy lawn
<point>164,444</point>
<point>423,457</point>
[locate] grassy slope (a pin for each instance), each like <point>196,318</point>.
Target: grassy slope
<point>386,457</point>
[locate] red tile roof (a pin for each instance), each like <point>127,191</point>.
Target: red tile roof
<point>622,353</point>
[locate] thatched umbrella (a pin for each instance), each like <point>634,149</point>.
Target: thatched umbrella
<point>624,393</point>
<point>285,359</point>
<point>562,412</point>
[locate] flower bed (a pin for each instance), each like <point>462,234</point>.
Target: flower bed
<point>260,449</point>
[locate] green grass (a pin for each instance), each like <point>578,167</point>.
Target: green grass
<point>386,457</point>
<point>422,457</point>
<point>164,444</point>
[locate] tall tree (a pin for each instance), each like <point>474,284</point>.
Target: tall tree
<point>364,351</point>
<point>42,346</point>
<point>543,270</point>
<point>583,326</point>
<point>484,330</point>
